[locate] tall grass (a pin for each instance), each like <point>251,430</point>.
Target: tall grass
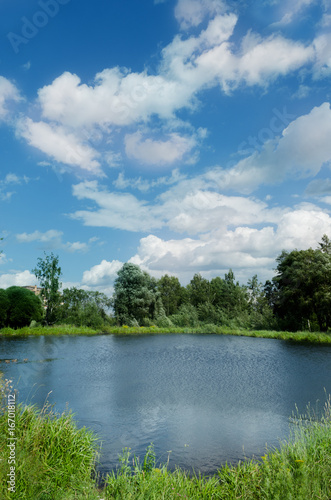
<point>309,337</point>
<point>53,458</point>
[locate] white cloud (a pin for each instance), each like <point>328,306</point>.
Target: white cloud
<point>10,180</point>
<point>8,92</point>
<point>53,239</point>
<point>103,274</point>
<point>116,210</point>
<point>120,97</point>
<point>77,246</point>
<point>145,185</point>
<point>153,152</point>
<point>117,98</point>
<point>301,151</point>
<point>192,12</point>
<point>52,235</point>
<point>322,46</point>
<point>246,250</point>
<point>19,278</point>
<point>77,119</point>
<point>60,145</point>
<point>291,9</point>
<point>259,61</point>
<point>188,207</point>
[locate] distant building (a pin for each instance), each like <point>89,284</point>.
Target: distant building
<point>35,289</point>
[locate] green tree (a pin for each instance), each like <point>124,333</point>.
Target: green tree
<point>228,296</point>
<point>171,292</point>
<point>48,273</point>
<point>135,296</point>
<point>325,245</point>
<point>4,306</point>
<point>84,308</point>
<point>24,306</point>
<point>198,290</point>
<point>187,315</point>
<point>260,311</point>
<point>303,285</point>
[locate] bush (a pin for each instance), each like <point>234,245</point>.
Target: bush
<point>187,316</point>
<point>164,322</point>
<point>24,307</point>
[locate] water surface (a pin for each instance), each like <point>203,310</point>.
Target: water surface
<point>206,398</point>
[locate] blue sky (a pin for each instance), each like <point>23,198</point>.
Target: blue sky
<point>185,136</point>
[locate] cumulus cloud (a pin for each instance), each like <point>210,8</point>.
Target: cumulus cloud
<point>190,206</point>
<point>116,210</point>
<point>73,112</point>
<point>60,145</point>
<point>301,151</point>
<point>120,97</point>
<point>19,278</point>
<point>247,250</point>
<point>153,152</point>
<point>103,274</point>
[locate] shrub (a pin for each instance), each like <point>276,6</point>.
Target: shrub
<point>24,306</point>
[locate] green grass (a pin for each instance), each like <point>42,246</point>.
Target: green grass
<point>56,461</point>
<point>310,337</point>
<point>53,458</point>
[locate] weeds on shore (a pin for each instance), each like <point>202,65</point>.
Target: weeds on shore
<point>309,337</point>
<point>51,457</point>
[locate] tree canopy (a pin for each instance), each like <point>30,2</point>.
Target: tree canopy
<point>48,272</point>
<point>23,307</point>
<point>298,297</point>
<point>303,288</point>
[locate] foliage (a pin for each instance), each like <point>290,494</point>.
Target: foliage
<point>228,296</point>
<point>23,307</point>
<point>171,292</point>
<point>4,306</point>
<point>48,273</point>
<point>187,315</point>
<point>198,290</point>
<point>84,308</point>
<point>135,295</point>
<point>303,291</point>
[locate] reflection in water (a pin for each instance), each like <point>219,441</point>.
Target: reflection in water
<point>207,398</point>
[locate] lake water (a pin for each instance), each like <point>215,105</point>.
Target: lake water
<point>206,398</point>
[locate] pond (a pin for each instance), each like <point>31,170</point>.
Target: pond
<point>201,399</point>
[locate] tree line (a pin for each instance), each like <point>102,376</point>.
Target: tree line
<point>297,298</point>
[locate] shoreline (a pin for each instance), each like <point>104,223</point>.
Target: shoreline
<point>301,337</point>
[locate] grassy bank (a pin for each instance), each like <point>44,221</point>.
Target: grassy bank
<point>311,337</point>
<point>54,460</point>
